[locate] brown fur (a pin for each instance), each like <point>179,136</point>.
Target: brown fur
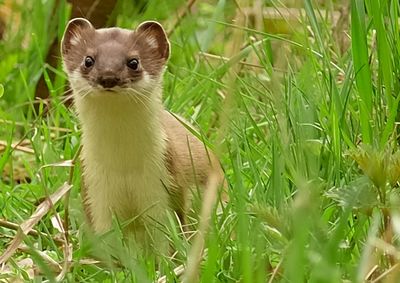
<point>189,161</point>
<point>124,44</point>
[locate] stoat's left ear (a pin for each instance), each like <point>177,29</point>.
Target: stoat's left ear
<point>155,37</point>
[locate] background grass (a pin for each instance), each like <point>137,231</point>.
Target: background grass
<point>303,106</point>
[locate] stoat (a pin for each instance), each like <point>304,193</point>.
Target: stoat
<point>139,161</point>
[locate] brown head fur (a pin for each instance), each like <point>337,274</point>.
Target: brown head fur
<point>148,44</point>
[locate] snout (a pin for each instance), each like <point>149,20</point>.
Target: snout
<point>108,81</point>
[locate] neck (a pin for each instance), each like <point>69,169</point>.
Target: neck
<point>120,133</point>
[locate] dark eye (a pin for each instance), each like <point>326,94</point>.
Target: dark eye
<point>89,62</point>
<point>133,64</point>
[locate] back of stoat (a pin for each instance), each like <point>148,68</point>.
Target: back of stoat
<point>139,161</point>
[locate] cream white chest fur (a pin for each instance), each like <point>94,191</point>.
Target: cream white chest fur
<point>123,157</point>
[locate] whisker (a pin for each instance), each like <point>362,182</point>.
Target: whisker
<point>137,100</point>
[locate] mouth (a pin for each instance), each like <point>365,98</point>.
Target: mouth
<point>116,88</point>
<point>109,90</point>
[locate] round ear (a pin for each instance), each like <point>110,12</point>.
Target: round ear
<point>74,32</point>
<point>154,35</point>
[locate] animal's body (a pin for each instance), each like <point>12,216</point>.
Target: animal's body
<point>139,161</point>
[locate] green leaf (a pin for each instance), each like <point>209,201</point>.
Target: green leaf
<point>361,67</point>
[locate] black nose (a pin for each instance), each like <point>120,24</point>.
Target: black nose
<point>108,81</point>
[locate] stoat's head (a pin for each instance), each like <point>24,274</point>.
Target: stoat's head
<point>114,60</point>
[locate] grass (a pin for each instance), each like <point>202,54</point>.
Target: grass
<point>306,123</point>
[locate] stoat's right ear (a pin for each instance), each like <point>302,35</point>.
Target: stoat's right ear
<point>74,32</point>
